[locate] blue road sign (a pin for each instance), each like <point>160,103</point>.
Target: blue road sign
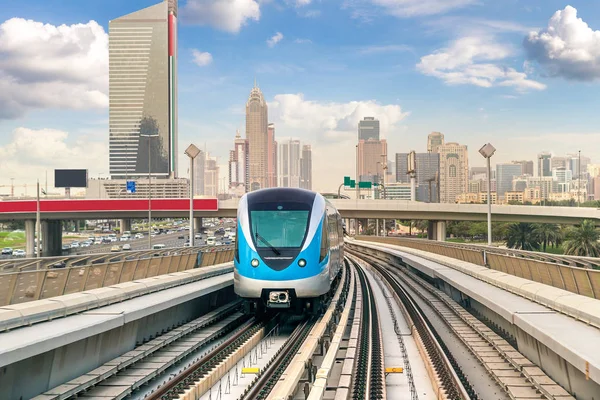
<point>130,186</point>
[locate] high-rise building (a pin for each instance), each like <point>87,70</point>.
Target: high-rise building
<point>199,167</point>
<point>526,166</point>
<point>559,162</point>
<point>371,154</point>
<point>271,156</point>
<point>238,165</point>
<point>143,92</point>
<point>434,141</point>
<point>306,168</point>
<point>257,136</point>
<point>368,128</point>
<point>427,174</point>
<point>505,173</point>
<point>477,171</point>
<point>211,177</point>
<point>544,164</point>
<point>561,180</point>
<point>289,163</point>
<point>454,171</point>
<point>519,183</point>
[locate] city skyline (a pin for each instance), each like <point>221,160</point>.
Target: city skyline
<point>532,104</point>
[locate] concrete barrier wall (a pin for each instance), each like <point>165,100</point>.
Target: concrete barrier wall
<point>582,281</point>
<point>24,286</point>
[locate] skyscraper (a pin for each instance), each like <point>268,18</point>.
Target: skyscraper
<point>434,140</point>
<point>289,163</point>
<point>427,174</point>
<point>211,177</point>
<point>257,136</point>
<point>199,167</point>
<point>238,164</point>
<point>454,171</point>
<point>544,164</point>
<point>306,168</point>
<point>143,92</point>
<point>505,173</point>
<point>371,154</point>
<point>526,166</point>
<point>368,128</point>
<point>271,156</point>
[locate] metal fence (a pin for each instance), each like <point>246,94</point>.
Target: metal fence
<point>583,281</point>
<point>24,286</point>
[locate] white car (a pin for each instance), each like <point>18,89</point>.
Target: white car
<point>74,245</point>
<point>126,246</point>
<point>19,253</point>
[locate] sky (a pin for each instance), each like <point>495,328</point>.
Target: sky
<point>522,75</point>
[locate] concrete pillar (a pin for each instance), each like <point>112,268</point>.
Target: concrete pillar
<point>76,224</point>
<point>440,231</point>
<point>377,227</point>
<point>29,237</point>
<point>384,228</point>
<point>431,227</point>
<point>52,238</point>
<point>125,225</point>
<point>197,225</point>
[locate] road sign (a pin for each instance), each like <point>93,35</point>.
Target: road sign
<point>130,186</point>
<point>364,185</point>
<point>346,181</point>
<point>352,183</point>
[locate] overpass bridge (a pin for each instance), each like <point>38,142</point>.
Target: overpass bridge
<point>52,211</point>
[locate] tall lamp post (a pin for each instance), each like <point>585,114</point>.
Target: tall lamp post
<point>192,152</point>
<point>149,188</point>
<point>488,151</point>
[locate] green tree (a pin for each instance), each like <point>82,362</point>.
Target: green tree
<point>582,240</point>
<point>521,235</point>
<point>548,234</point>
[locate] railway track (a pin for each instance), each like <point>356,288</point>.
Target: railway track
<point>516,376</point>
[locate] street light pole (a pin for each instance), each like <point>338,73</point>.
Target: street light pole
<point>488,151</point>
<point>38,223</point>
<point>579,181</point>
<point>149,190</point>
<point>192,152</point>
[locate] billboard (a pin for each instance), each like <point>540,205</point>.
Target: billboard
<point>70,178</point>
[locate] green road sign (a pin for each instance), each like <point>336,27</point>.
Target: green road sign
<point>352,184</point>
<point>346,181</point>
<point>364,185</point>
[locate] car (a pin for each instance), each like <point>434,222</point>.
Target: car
<point>181,237</point>
<point>289,252</point>
<point>198,236</point>
<point>124,238</point>
<point>126,246</point>
<point>210,241</point>
<point>7,251</point>
<point>19,253</point>
<point>115,248</point>
<point>74,245</point>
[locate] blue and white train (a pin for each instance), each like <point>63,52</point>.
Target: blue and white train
<point>289,249</point>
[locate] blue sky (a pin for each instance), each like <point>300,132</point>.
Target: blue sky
<point>476,70</point>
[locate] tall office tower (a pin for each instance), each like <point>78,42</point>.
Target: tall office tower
<point>238,164</point>
<point>372,155</point>
<point>306,167</point>
<point>271,156</point>
<point>544,164</point>
<point>211,177</point>
<point>477,171</point>
<point>505,173</point>
<point>199,166</point>
<point>257,136</point>
<point>572,163</point>
<point>427,174</point>
<point>289,163</point>
<point>526,166</point>
<point>561,180</point>
<point>368,128</point>
<point>434,141</point>
<point>559,162</point>
<point>143,92</point>
<point>454,171</point>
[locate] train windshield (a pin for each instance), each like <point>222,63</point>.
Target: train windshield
<point>279,224</point>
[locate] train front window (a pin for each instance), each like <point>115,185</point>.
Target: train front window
<point>278,228</point>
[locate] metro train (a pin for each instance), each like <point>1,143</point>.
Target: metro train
<point>289,250</point>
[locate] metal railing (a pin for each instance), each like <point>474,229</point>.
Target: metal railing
<point>96,272</point>
<point>575,274</point>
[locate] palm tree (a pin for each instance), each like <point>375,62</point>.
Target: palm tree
<point>547,234</point>
<point>521,236</point>
<point>582,240</point>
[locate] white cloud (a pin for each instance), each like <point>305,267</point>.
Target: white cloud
<point>201,58</point>
<point>31,153</point>
<point>568,47</point>
<point>302,3</point>
<point>276,38</point>
<point>331,129</point>
<point>391,48</point>
<point>473,60</point>
<point>47,66</point>
<point>411,8</point>
<point>226,15</point>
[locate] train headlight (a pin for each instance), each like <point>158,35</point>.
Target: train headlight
<point>254,262</point>
<point>302,262</point>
